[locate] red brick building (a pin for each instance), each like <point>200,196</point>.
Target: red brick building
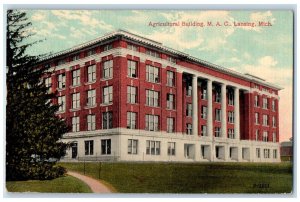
<point>130,98</point>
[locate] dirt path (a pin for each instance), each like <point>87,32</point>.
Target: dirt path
<point>95,185</point>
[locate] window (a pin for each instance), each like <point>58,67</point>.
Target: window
<point>217,132</point>
<point>266,153</point>
<point>189,109</point>
<point>91,73</point>
<point>132,47</point>
<point>75,57</point>
<point>274,153</point>
<point>189,90</point>
<point>89,147</point>
<point>265,136</point>
<point>106,147</point>
<point>273,105</point>
<point>153,53</point>
<point>152,74</point>
<point>152,98</point>
<point>171,148</point>
<point>61,81</point>
<point>131,120</point>
<point>230,97</point>
<point>152,147</point>
<point>170,125</point>
<point>75,124</point>
<point>189,129</point>
<point>132,146</point>
<point>131,94</point>
<point>257,152</point>
<point>91,52</point>
<point>204,93</point>
<point>274,137</point>
<point>107,47</point>
<point>76,77</point>
<point>231,133</point>
<point>62,103</point>
<point>204,112</point>
<point>108,69</point>
<point>170,78</point>
<point>151,122</point>
<point>203,130</point>
<point>76,100</point>
<point>132,69</point>
<point>256,118</point>
<point>107,120</point>
<point>265,120</point>
<point>218,94</point>
<point>170,101</point>
<point>256,134</point>
<point>230,117</point>
<point>218,114</point>
<point>172,60</point>
<point>107,95</point>
<point>61,62</point>
<point>91,99</point>
<point>48,82</point>
<point>91,122</point>
<point>273,121</point>
<point>265,103</point>
<point>256,101</point>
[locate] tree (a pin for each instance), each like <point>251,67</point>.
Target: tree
<point>32,128</point>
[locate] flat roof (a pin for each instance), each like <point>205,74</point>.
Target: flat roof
<point>153,43</point>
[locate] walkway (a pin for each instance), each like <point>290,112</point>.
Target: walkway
<point>95,185</point>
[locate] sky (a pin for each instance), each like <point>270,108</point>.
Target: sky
<point>265,51</point>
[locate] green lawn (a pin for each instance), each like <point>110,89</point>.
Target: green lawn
<point>66,184</point>
<point>191,177</point>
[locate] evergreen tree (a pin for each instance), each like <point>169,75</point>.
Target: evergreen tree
<point>32,128</point>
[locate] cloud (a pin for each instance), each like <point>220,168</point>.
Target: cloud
<point>185,38</point>
<point>262,16</point>
<point>266,68</point>
<point>257,17</point>
<point>39,16</point>
<point>84,17</point>
<point>267,61</point>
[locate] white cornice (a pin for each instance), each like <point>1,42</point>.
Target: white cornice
<point>159,45</point>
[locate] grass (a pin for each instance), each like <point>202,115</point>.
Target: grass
<point>67,184</point>
<point>191,177</point>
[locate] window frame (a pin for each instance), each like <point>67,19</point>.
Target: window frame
<point>132,146</point>
<point>75,124</point>
<point>170,124</point>
<point>91,73</point>
<point>171,148</point>
<point>132,70</point>
<point>107,120</point>
<point>88,147</point>
<point>107,72</point>
<point>76,77</point>
<point>131,120</point>
<point>105,146</point>
<point>76,100</point>
<point>152,74</point>
<point>91,97</point>
<point>91,122</point>
<point>152,122</point>
<point>107,95</point>
<point>131,94</point>
<point>153,147</point>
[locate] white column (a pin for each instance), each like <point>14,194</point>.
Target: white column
<point>236,113</point>
<point>195,104</point>
<point>209,109</point>
<point>223,111</point>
